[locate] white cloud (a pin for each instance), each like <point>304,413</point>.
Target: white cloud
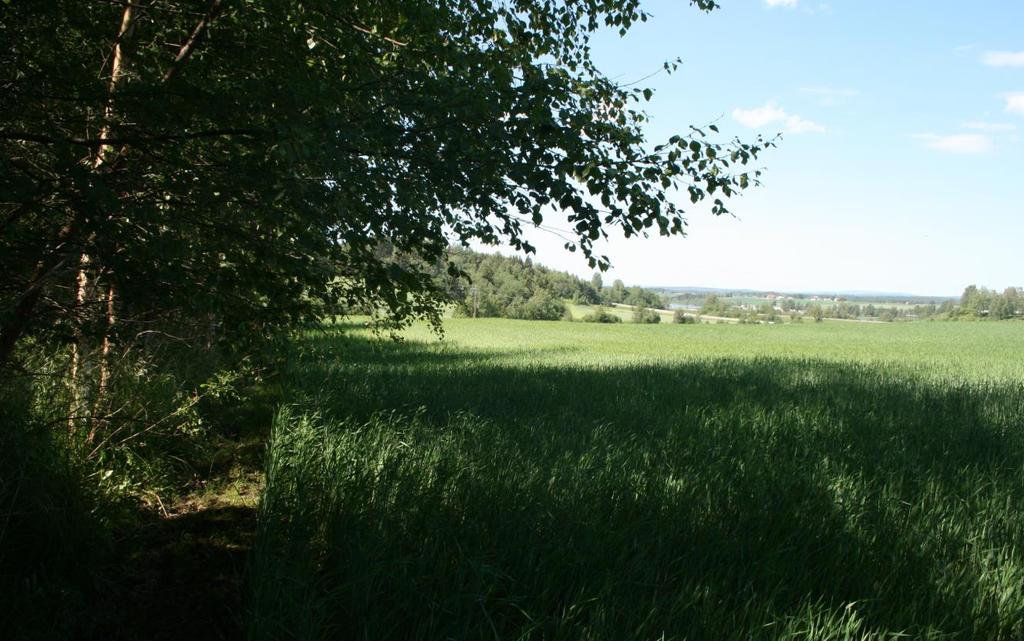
<point>993,127</point>
<point>957,143</point>
<point>789,4</point>
<point>770,113</point>
<point>1003,58</point>
<point>759,116</point>
<point>1015,103</point>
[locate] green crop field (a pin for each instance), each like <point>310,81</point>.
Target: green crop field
<point>625,312</point>
<point>532,480</point>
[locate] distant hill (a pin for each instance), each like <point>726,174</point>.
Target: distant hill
<point>854,295</point>
<point>513,287</point>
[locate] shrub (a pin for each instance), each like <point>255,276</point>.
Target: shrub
<point>680,317</point>
<point>542,306</point>
<point>600,315</point>
<point>645,315</point>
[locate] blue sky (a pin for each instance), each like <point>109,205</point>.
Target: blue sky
<point>901,164</point>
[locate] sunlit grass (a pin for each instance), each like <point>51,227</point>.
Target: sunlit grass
<point>525,480</point>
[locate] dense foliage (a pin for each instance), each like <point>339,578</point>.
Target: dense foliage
<point>496,286</point>
<point>240,164</point>
<point>985,303</point>
<point>512,287</point>
<point>632,296</point>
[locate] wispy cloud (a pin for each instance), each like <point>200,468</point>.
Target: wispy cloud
<point>781,3</point>
<point>991,127</point>
<point>771,113</point>
<point>957,143</point>
<point>1015,103</point>
<point>1003,58</point>
<point>798,125</point>
<point>829,96</point>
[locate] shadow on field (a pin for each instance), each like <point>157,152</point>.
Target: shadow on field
<point>448,493</point>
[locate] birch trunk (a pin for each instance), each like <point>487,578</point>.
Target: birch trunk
<point>104,378</point>
<point>77,349</point>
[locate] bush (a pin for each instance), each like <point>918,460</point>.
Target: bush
<point>542,306</point>
<point>600,315</point>
<point>680,317</point>
<point>646,315</point>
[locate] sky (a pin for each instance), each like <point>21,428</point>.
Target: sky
<point>901,162</point>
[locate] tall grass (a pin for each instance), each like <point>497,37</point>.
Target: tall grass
<point>532,481</point>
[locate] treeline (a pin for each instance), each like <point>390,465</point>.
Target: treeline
<point>871,311</point>
<point>980,302</point>
<point>975,303</point>
<point>496,286</point>
<point>797,308</point>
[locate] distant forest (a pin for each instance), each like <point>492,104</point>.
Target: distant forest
<point>497,286</point>
<point>511,287</point>
<point>979,302</point>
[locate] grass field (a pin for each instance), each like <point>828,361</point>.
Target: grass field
<point>579,311</point>
<point>625,312</point>
<point>530,480</point>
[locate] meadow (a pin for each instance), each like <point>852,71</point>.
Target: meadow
<point>554,480</point>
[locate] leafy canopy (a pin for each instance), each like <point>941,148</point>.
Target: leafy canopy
<point>264,160</point>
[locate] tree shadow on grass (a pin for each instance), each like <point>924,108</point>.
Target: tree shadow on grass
<point>881,420</point>
<point>711,499</point>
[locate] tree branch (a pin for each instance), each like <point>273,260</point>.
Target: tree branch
<point>26,136</point>
<point>185,52</point>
